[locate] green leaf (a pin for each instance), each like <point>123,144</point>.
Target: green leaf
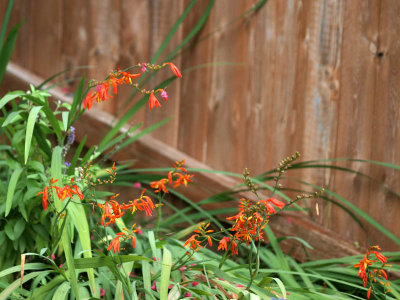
<point>78,151</point>
<point>165,273</point>
<point>29,266</point>
<point>43,291</point>
<point>9,231</point>
<point>143,133</point>
<point>12,117</point>
<point>5,21</point>
<point>11,189</point>
<point>10,96</point>
<point>19,228</point>
<point>64,117</point>
<point>56,163</point>
<point>119,138</point>
<point>62,291</point>
<point>173,30</point>
<point>102,261</point>
<point>194,31</point>
<point>78,216</point>
<point>48,112</point>
<point>7,292</point>
<point>77,100</point>
<point>29,129</point>
<point>7,49</point>
<point>147,279</point>
<point>42,141</point>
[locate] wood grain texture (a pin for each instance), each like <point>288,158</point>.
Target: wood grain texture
<point>319,77</point>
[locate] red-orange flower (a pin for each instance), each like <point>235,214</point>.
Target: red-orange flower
<point>380,257</point>
<point>234,248</point>
<point>87,102</point>
<point>223,244</point>
<point>142,203</point>
<point>159,185</point>
<point>102,92</point>
<point>115,243</point>
<point>194,244</point>
<point>174,69</point>
<point>362,269</point>
<point>182,179</point>
<point>153,102</point>
<point>202,230</point>
<point>127,77</point>
<point>270,208</point>
<point>45,197</point>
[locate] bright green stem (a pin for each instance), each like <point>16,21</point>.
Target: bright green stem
<point>257,264</point>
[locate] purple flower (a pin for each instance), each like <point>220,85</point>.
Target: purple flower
<point>71,136</point>
<point>67,164</point>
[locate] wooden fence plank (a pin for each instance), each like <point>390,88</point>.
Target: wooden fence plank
<point>320,77</point>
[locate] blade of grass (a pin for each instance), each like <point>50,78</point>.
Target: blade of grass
<point>199,25</point>
<point>7,49</point>
<point>8,291</point>
<point>172,32</point>
<point>77,153</point>
<point>5,21</point>
<point>77,99</point>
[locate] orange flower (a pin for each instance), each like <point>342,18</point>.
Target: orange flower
<point>78,192</point>
<point>115,243</point>
<point>202,230</point>
<point>127,77</point>
<point>380,257</point>
<point>194,244</point>
<point>183,179</point>
<point>174,69</point>
<point>234,248</point>
<point>87,102</point>
<point>223,243</point>
<point>362,269</point>
<point>102,92</point>
<point>270,208</point>
<point>159,185</point>
<point>153,102</point>
<point>142,203</point>
<point>45,197</point>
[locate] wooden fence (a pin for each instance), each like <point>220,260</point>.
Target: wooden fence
<point>319,77</point>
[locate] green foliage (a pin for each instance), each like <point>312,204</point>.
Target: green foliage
<point>35,139</point>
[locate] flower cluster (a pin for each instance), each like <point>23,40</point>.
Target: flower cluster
<point>370,272</point>
<point>201,232</point>
<point>118,77</point>
<point>177,177</point>
<point>112,210</point>
<point>62,193</point>
<point>126,234</point>
<point>249,224</point>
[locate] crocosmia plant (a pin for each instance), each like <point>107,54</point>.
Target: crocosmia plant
<point>75,234</point>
